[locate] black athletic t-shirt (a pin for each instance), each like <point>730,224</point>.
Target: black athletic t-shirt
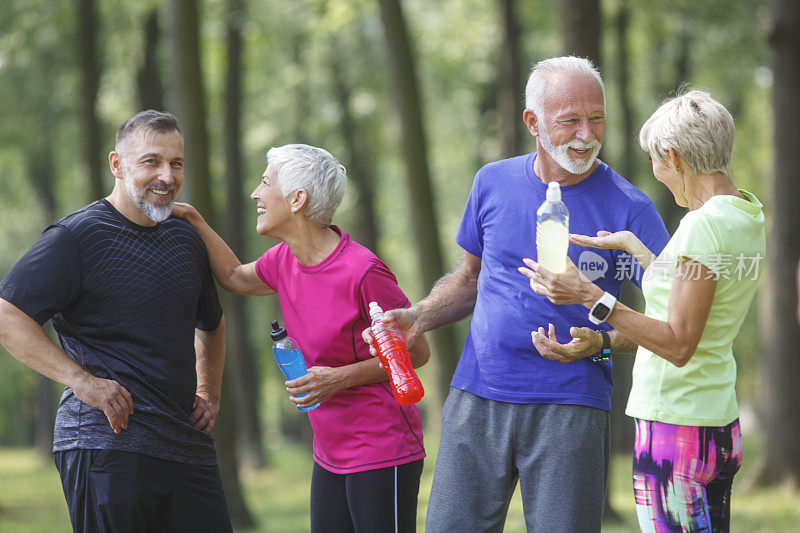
<point>125,301</point>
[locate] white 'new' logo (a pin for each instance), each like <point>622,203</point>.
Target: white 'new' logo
<point>592,265</point>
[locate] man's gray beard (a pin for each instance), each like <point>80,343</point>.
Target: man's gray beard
<point>561,156</point>
<point>138,197</point>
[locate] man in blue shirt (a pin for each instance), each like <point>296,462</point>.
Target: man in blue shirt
<point>512,414</point>
<point>132,298</point>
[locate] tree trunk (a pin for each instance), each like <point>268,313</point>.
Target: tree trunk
<point>627,164</point>
<point>671,212</point>
<point>683,64</point>
<point>88,53</point>
<point>190,107</point>
<point>580,27</point>
<point>189,104</point>
<point>360,168</point>
<point>581,21</point>
<point>509,83</point>
<point>780,407</point>
<point>148,79</point>
<point>242,362</point>
<point>300,37</point>
<point>415,156</point>
<point>622,429</point>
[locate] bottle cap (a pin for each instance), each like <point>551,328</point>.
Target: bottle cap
<point>375,310</point>
<point>277,332</point>
<point>553,192</point>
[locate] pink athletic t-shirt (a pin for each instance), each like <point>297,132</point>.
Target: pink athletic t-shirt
<point>325,309</point>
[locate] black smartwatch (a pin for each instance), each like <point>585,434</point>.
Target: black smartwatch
<point>605,352</point>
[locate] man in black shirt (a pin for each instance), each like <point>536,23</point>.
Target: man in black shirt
<point>132,299</point>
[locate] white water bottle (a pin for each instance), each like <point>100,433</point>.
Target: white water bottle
<point>552,231</point>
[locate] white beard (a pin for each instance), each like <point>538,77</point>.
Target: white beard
<point>156,213</point>
<point>561,155</point>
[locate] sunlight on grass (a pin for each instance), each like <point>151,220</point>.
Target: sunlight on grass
<point>31,500</point>
<point>278,496</point>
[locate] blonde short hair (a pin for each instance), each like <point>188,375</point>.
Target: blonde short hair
<point>697,127</point>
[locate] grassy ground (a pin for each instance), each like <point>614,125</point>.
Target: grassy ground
<point>31,500</point>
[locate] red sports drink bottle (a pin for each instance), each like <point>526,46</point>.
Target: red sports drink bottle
<point>406,386</point>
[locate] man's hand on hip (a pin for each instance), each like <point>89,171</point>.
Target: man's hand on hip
<point>204,414</point>
<point>108,396</point>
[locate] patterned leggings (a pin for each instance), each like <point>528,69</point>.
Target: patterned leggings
<point>682,476</point>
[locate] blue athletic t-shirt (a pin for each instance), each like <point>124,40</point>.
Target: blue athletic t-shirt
<point>499,361</point>
<point>125,301</point>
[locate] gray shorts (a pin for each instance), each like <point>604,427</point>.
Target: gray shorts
<point>559,454</point>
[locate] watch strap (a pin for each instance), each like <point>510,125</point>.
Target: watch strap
<point>605,352</point>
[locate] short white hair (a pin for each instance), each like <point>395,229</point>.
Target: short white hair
<point>697,127</point>
<point>300,166</point>
<point>545,70</point>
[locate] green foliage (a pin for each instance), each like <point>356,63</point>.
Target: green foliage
<point>17,396</point>
<point>31,495</point>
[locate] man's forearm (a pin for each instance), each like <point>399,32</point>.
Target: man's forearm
<point>25,339</point>
<point>451,299</point>
<point>27,342</point>
<point>621,344</point>
<point>210,353</point>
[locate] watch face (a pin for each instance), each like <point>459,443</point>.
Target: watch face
<point>601,311</point>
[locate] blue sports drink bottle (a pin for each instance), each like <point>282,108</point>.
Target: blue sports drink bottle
<point>289,357</point>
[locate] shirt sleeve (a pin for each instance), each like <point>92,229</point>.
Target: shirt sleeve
<point>47,279</point>
<point>380,285</point>
<point>470,231</point>
<point>649,228</point>
<point>266,268</point>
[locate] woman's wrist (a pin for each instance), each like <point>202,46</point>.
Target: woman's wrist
<point>591,294</point>
<point>341,377</point>
<point>630,242</point>
<point>635,246</point>
<point>194,218</point>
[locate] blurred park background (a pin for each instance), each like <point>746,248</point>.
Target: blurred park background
<point>413,96</point>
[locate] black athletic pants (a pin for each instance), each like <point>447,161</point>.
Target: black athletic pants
<point>121,492</point>
<point>374,501</point>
